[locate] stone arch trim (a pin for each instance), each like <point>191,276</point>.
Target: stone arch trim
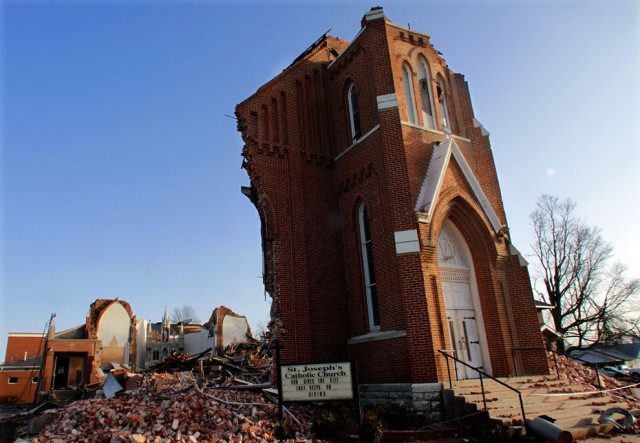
<point>484,248</point>
<point>469,220</point>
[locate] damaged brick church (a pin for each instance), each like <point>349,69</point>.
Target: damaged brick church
<point>384,234</point>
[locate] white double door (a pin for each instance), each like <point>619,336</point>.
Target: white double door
<point>463,327</point>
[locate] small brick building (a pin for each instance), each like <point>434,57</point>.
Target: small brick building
<point>61,360</point>
<point>384,234</point>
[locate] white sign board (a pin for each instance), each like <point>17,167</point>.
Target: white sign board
<point>313,382</point>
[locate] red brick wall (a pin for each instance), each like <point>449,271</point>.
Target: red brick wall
<point>308,181</point>
<point>18,344</point>
<point>88,348</point>
<point>288,149</point>
<point>383,361</point>
<point>22,392</point>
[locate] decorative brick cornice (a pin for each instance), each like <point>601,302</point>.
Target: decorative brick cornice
<point>356,178</point>
<point>311,158</point>
<point>344,60</point>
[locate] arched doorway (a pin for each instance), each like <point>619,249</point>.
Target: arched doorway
<point>461,301</point>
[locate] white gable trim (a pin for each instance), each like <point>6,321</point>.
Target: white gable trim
<point>433,180</point>
<point>435,175</point>
<point>477,189</point>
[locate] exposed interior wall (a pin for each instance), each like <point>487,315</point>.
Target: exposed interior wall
<point>234,330</point>
<point>113,329</point>
<point>197,342</point>
<point>227,327</point>
<point>141,332</point>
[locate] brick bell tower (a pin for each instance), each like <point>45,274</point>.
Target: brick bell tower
<point>384,234</point>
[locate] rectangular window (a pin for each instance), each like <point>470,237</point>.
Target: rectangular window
<point>34,380</point>
<point>13,380</point>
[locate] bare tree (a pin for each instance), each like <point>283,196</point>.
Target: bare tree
<point>260,330</point>
<point>591,296</point>
<point>186,313</point>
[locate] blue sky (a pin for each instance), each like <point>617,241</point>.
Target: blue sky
<point>121,173</point>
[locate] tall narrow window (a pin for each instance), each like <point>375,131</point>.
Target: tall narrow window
<point>442,103</point>
<point>426,97</point>
<point>354,112</point>
<point>409,97</point>
<point>371,291</point>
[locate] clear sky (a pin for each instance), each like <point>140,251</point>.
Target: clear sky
<point>121,173</point>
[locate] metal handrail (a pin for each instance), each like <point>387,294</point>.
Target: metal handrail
<point>555,353</point>
<point>482,373</point>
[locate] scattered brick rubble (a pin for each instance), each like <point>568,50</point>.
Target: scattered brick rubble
<point>215,399</point>
<point>202,398</point>
<point>171,408</point>
<point>585,376</point>
<point>578,374</point>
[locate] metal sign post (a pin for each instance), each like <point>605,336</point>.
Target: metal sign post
<point>276,345</point>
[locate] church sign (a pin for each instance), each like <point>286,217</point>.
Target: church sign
<point>316,382</point>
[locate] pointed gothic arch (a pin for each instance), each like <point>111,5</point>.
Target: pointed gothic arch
<point>426,93</point>
<point>409,96</point>
<point>464,317</point>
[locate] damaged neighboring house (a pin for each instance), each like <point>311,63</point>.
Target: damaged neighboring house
<point>19,374</point>
<point>549,335</point>
<point>71,357</point>
<point>384,233</point>
<point>110,336</point>
<point>227,328</point>
<point>620,355</point>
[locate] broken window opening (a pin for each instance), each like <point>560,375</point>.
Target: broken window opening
<point>426,96</point>
<point>409,97</point>
<point>354,112</point>
<point>442,102</point>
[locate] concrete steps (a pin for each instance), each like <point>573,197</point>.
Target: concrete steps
<point>575,413</point>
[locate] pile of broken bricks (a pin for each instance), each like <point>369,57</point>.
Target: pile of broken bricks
<point>578,374</point>
<point>199,398</point>
<point>173,408</point>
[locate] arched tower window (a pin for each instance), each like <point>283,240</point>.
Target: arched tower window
<point>426,96</point>
<point>368,271</point>
<point>442,103</point>
<point>409,97</point>
<point>354,112</point>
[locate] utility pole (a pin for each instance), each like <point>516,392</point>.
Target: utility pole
<point>43,359</point>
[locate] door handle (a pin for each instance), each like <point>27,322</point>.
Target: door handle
<point>474,342</point>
